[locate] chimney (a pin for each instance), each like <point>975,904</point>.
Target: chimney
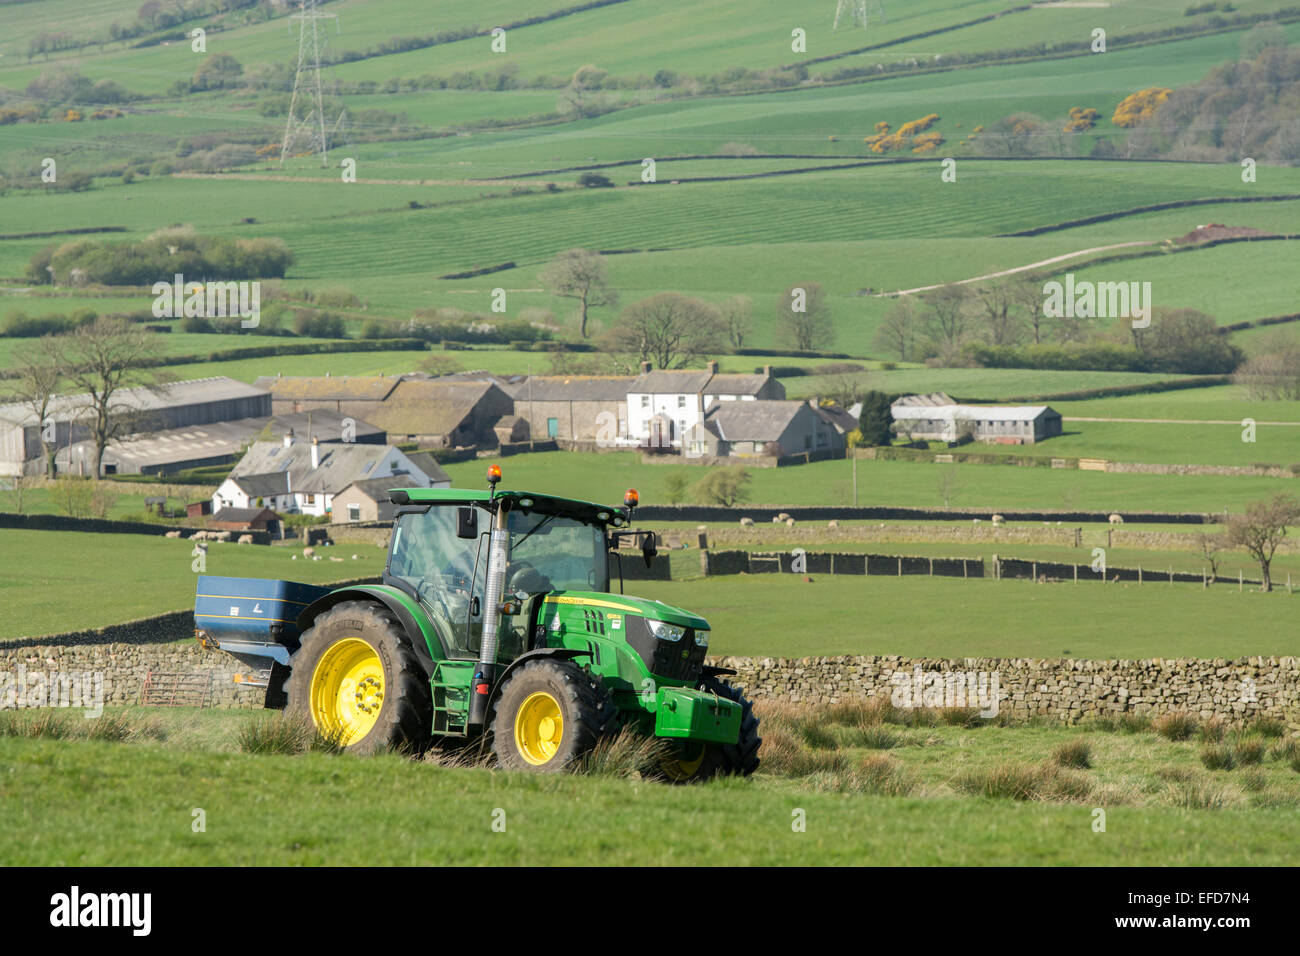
<point>645,368</point>
<point>315,453</point>
<point>767,370</point>
<point>712,367</point>
<point>288,438</point>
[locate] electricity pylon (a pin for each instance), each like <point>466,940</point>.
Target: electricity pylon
<point>307,134</point>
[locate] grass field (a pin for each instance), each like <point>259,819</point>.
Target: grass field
<point>915,805</point>
<point>602,477</point>
<point>934,617</point>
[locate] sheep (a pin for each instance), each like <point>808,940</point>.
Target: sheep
<point>784,516</point>
<point>172,534</point>
<point>245,539</point>
<point>974,520</point>
<point>1116,519</point>
<point>789,522</point>
<point>776,519</point>
<point>224,535</point>
<point>832,524</point>
<point>339,560</point>
<point>308,552</point>
<point>747,522</point>
<point>293,557</point>
<point>356,557</point>
<point>998,519</point>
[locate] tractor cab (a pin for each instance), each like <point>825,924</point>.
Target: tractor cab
<point>440,555</point>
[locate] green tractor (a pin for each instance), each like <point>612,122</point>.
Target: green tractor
<point>495,617</point>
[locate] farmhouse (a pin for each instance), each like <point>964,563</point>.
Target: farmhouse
<point>180,405</point>
<point>175,449</point>
<point>738,429</point>
<point>573,407</point>
<point>662,406</point>
<point>297,476</point>
<point>999,424</point>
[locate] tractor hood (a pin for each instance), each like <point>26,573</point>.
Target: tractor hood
<point>642,607</point>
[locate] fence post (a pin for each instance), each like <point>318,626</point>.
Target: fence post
<point>997,569</point>
<point>900,565</point>
<point>932,567</point>
<point>1239,579</point>
<point>1171,574</point>
<point>1076,573</point>
<point>1139,575</point>
<point>1034,571</point>
<point>965,574</point>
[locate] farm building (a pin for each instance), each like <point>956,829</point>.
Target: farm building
<point>302,477</point>
<point>573,407</point>
<point>179,405</point>
<point>367,500</point>
<point>738,429</point>
<point>175,449</point>
<point>407,407</point>
<point>662,406</point>
<point>246,519</point>
<point>999,424</point>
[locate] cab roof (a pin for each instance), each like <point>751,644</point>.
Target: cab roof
<point>544,504</point>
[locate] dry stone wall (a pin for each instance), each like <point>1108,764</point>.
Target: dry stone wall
<point>1068,690</point>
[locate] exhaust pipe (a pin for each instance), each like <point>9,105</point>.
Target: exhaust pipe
<point>485,672</point>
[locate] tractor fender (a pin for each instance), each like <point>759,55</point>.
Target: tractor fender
<point>564,653</point>
<point>414,633</point>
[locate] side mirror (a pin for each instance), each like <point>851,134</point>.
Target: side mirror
<point>467,523</point>
<point>648,548</point>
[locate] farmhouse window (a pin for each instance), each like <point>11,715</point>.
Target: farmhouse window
<point>354,512</point>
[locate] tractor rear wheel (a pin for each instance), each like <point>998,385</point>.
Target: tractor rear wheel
<point>549,713</point>
<point>356,677</point>
<point>695,761</point>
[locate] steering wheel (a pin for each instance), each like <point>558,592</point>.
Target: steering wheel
<point>527,578</point>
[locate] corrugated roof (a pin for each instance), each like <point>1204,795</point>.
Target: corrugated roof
<point>218,388</point>
<point>933,398</point>
<point>1001,413</point>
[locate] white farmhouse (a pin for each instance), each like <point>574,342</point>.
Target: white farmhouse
<point>302,477</point>
<point>665,405</point>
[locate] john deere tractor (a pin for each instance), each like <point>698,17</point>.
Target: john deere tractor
<point>495,621</point>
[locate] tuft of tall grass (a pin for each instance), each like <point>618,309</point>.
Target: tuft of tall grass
<point>628,753</point>
<point>1074,753</point>
<point>1046,782</point>
<point>1175,726</point>
<point>285,734</point>
<point>1218,757</point>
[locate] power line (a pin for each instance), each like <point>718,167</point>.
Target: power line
<point>308,133</point>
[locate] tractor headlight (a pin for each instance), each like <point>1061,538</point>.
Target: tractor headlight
<point>666,632</point>
<point>702,638</point>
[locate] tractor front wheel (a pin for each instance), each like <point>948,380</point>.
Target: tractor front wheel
<point>695,761</point>
<point>549,714</point>
<point>356,677</point>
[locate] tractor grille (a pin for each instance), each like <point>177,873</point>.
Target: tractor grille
<point>676,660</point>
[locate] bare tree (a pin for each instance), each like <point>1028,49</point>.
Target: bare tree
<point>1211,546</point>
<point>737,315</point>
<point>1273,372</point>
<point>1261,529</point>
<point>900,328</point>
<point>40,371</point>
<point>669,329</point>
<point>1000,311</point>
<point>580,274</point>
<point>805,316</point>
<point>102,359</point>
<point>946,316</point>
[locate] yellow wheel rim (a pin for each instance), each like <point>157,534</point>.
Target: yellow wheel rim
<point>347,691</point>
<point>539,728</point>
<point>683,767</point>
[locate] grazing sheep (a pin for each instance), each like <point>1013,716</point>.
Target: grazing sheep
<point>315,557</point>
<point>789,522</point>
<point>224,535</point>
<point>1116,519</point>
<point>293,557</point>
<point>172,534</point>
<point>356,557</point>
<point>747,522</point>
<point>776,519</point>
<point>998,519</point>
<point>339,560</point>
<point>245,539</point>
<point>832,524</point>
<point>784,516</point>
<point>975,520</point>
<point>308,552</point>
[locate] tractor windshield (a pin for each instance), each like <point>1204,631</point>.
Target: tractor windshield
<point>549,552</point>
